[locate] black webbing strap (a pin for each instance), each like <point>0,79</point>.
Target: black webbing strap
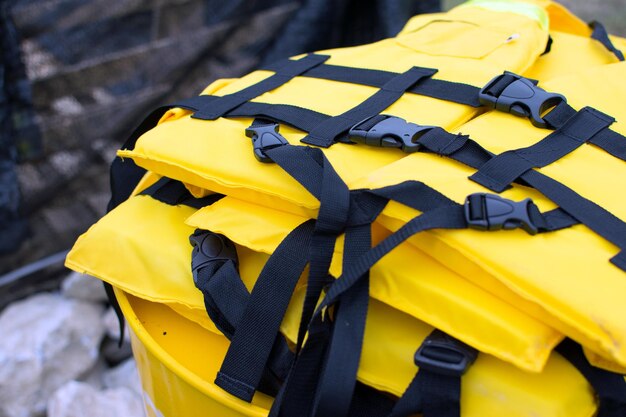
<point>214,266</point>
<point>337,382</point>
<point>331,393</point>
<point>606,139</point>
<point>609,387</point>
<point>499,172</point>
<point>325,134</point>
<point>464,150</point>
<point>173,193</point>
<point>301,394</point>
<point>312,170</point>
<point>298,117</point>
<point>432,395</point>
<point>284,73</point>
<point>254,337</point>
<point>601,35</point>
<point>297,395</point>
<point>440,89</point>
<point>512,93</point>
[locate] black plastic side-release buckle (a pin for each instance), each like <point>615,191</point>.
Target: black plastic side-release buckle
<point>388,132</point>
<point>520,97</point>
<point>265,137</point>
<point>492,212</point>
<point>445,355</point>
<point>210,247</point>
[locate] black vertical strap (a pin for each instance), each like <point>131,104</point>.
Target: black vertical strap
<point>600,34</point>
<point>225,295</point>
<point>336,386</point>
<point>297,395</point>
<point>325,134</point>
<point>499,172</point>
<point>432,394</point>
<point>254,337</point>
<point>436,389</point>
<point>610,387</point>
<point>312,170</point>
<point>284,74</point>
<point>214,267</point>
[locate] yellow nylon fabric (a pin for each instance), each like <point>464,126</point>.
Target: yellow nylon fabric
<point>142,267</point>
<point>159,150</point>
<point>591,310</point>
<point>508,294</point>
<point>490,388</point>
<point>155,228</point>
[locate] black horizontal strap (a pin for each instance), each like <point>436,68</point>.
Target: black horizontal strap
<point>601,35</point>
<point>503,169</point>
<point>610,141</point>
<point>284,73</point>
<point>446,217</point>
<point>583,210</point>
<point>298,117</point>
<point>440,89</point>
<point>325,133</point>
<point>172,192</point>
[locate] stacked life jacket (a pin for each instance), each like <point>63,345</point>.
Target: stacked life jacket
<point>430,224</point>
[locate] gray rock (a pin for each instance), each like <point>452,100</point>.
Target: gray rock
<point>77,399</point>
<point>94,376</point>
<point>46,341</point>
<point>124,375</point>
<point>83,287</point>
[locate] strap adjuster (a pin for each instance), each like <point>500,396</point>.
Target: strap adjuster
<point>265,137</point>
<point>210,247</point>
<point>445,355</point>
<point>492,212</point>
<point>387,131</point>
<point>520,97</point>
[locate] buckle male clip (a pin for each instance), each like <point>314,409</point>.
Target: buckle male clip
<point>210,247</point>
<point>265,137</point>
<point>388,132</point>
<point>445,355</point>
<point>492,212</point>
<point>521,97</point>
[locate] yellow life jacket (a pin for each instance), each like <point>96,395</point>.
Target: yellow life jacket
<point>509,295</point>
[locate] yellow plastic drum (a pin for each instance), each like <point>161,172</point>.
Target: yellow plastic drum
<point>176,358</point>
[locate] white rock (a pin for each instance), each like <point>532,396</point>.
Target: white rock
<point>46,341</point>
<point>77,399</point>
<point>123,375</point>
<point>83,287</point>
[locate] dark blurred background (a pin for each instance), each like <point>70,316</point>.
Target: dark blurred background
<point>77,75</point>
